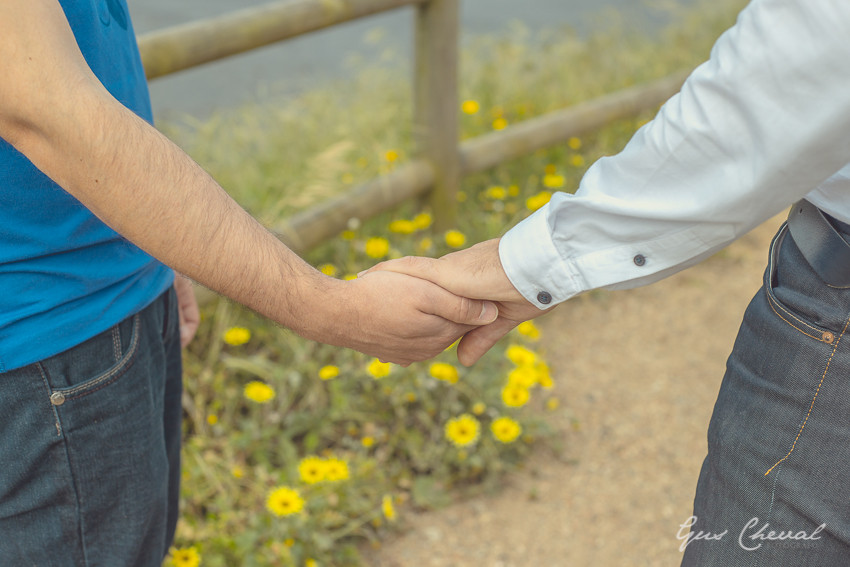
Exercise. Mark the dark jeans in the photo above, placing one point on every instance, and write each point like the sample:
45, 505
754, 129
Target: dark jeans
90, 448
775, 487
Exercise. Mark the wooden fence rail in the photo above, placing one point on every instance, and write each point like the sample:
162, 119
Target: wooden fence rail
441, 160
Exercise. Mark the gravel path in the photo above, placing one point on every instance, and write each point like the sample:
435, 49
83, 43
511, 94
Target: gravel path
637, 372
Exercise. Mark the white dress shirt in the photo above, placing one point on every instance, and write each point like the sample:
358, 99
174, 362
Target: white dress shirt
762, 124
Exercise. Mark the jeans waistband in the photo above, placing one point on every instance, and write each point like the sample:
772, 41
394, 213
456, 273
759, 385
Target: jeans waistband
823, 247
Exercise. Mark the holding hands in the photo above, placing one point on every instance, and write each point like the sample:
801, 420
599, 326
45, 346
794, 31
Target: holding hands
475, 273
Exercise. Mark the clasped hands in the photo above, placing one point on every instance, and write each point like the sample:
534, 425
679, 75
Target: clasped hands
470, 296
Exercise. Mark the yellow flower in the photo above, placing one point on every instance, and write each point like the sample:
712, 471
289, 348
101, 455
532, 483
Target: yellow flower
328, 372
455, 238
576, 160
500, 124
289, 542
349, 277
378, 369
553, 181
348, 235
391, 155
347, 178
312, 470
423, 220
212, 419
574, 143
460, 197
377, 247
552, 404
505, 430
336, 470
284, 501
515, 396
410, 397
387, 507
463, 431
311, 563
496, 192
521, 356
544, 377
444, 372
328, 269
513, 190
258, 392
186, 557
535, 202
236, 336
367, 441
523, 377
529, 329
237, 472
403, 226
478, 408
470, 107
425, 244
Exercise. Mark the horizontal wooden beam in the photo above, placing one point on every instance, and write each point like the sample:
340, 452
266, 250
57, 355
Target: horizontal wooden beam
181, 47
312, 227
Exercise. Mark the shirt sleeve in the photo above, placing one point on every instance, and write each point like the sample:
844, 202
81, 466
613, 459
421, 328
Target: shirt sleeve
761, 124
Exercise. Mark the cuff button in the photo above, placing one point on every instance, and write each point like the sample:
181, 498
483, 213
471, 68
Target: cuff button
640, 260
544, 297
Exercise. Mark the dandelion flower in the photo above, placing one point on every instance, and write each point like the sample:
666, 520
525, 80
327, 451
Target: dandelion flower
552, 404
544, 377
470, 107
328, 270
536, 201
574, 143
515, 396
237, 472
500, 124
259, 392
478, 408
445, 372
378, 369
402, 226
423, 220
236, 336
336, 470
577, 160
387, 507
463, 431
496, 192
347, 235
284, 501
328, 372
289, 542
455, 238
311, 563
312, 470
377, 247
367, 441
529, 329
521, 356
212, 419
186, 557
553, 181
391, 155
523, 377
505, 430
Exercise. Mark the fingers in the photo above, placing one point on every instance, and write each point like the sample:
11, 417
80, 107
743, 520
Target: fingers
477, 342
460, 310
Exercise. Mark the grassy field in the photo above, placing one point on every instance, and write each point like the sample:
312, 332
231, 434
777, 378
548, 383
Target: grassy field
297, 453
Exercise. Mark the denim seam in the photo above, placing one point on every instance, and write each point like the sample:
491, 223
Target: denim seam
44, 379
110, 376
814, 399
116, 343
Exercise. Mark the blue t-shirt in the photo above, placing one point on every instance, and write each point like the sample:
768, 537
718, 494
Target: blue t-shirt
64, 275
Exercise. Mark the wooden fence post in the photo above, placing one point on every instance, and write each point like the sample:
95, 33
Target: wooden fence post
436, 103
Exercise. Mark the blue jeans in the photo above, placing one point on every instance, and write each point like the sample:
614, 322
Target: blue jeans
774, 489
90, 448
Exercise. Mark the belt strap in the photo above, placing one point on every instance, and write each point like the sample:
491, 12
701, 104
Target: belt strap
822, 246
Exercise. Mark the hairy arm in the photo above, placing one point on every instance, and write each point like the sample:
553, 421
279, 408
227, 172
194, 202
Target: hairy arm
57, 113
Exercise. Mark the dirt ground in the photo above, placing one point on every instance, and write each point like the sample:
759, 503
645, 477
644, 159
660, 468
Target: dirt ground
637, 372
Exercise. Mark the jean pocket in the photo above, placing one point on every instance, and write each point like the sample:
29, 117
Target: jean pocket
94, 364
790, 291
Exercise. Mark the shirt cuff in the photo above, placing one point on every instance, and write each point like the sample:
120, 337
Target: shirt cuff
533, 265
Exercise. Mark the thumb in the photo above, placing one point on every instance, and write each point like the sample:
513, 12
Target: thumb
477, 342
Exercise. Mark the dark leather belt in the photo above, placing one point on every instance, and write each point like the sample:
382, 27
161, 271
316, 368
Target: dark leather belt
822, 246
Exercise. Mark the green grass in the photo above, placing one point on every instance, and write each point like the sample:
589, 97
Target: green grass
276, 159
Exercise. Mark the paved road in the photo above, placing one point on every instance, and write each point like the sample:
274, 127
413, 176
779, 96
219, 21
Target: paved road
307, 61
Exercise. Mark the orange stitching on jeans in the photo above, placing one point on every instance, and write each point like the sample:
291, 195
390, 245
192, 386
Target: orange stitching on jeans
812, 405
772, 302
